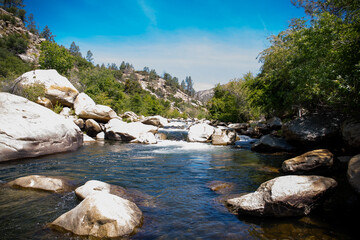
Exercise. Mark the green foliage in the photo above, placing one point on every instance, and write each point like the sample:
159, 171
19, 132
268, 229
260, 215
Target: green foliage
33, 91
14, 43
230, 104
312, 65
56, 57
58, 107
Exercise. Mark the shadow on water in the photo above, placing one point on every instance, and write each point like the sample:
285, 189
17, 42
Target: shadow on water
172, 177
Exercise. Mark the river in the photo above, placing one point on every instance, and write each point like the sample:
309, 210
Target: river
176, 175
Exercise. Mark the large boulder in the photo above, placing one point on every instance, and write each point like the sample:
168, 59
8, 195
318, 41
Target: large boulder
284, 196
201, 132
351, 133
223, 136
157, 121
86, 108
44, 183
57, 87
320, 159
313, 131
353, 172
95, 186
274, 123
28, 129
130, 132
271, 144
101, 215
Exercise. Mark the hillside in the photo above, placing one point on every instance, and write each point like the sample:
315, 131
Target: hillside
120, 87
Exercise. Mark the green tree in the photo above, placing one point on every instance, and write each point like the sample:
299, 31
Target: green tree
47, 34
89, 56
31, 25
75, 50
56, 57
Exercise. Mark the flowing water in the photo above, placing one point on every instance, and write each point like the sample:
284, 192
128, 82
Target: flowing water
176, 174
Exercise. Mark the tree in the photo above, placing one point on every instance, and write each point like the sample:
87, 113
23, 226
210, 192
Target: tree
12, 3
74, 50
47, 34
31, 25
53, 56
189, 86
89, 56
146, 69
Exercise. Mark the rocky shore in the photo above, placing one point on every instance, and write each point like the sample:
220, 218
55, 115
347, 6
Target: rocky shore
318, 143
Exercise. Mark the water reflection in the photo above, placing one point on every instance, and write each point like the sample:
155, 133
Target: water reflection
170, 178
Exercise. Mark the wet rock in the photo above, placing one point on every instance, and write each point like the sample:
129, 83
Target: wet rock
130, 132
201, 132
161, 136
101, 215
221, 187
271, 144
320, 159
284, 196
86, 108
353, 173
351, 133
57, 88
92, 128
157, 121
88, 139
28, 129
37, 182
313, 131
223, 136
100, 136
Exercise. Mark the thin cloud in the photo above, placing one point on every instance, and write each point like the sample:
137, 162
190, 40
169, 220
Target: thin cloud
148, 11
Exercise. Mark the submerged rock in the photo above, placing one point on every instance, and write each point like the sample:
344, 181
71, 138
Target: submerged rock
37, 182
86, 108
220, 187
272, 144
101, 215
284, 196
57, 88
353, 173
223, 136
201, 132
320, 159
28, 129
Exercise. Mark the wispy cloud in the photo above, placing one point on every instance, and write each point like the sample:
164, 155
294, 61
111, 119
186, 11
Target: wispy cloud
148, 11
206, 58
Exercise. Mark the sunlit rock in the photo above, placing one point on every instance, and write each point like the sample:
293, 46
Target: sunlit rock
284, 196
101, 215
86, 108
52, 184
28, 129
201, 132
92, 128
320, 159
57, 87
223, 136
157, 121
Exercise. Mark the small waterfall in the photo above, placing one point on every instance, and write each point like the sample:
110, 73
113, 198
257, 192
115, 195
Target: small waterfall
173, 134
245, 141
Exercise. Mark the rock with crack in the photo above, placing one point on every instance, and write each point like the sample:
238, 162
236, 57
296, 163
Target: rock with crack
28, 129
284, 196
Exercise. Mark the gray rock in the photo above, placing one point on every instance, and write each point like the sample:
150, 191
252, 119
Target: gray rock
320, 159
101, 215
51, 184
284, 196
271, 144
313, 130
353, 173
350, 130
223, 136
28, 129
274, 123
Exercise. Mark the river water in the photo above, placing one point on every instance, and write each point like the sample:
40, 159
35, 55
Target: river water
175, 176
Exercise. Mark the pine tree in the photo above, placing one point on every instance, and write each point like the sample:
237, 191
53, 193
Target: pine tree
89, 56
31, 26
75, 50
47, 34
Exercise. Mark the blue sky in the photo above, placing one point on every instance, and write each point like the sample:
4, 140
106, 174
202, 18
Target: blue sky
213, 41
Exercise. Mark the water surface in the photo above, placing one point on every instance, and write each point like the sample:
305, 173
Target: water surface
176, 175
